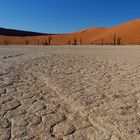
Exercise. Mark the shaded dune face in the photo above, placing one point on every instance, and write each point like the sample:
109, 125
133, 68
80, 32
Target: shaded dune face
127, 33
14, 32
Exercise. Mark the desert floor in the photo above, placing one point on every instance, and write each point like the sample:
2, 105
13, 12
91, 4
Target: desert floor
70, 93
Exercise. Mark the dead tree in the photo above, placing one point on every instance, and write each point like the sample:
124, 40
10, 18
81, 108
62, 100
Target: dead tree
69, 42
80, 41
45, 42
75, 42
6, 42
119, 41
38, 43
49, 39
27, 42
102, 42
95, 42
114, 38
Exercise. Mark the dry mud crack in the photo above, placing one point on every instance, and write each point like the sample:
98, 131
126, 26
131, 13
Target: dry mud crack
57, 93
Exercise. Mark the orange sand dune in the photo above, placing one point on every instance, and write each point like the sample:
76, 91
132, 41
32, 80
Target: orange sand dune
128, 33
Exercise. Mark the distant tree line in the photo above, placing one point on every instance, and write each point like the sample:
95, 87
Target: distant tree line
75, 42
115, 40
47, 41
44, 42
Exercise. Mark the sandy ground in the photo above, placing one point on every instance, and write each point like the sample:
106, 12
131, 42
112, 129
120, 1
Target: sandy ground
70, 93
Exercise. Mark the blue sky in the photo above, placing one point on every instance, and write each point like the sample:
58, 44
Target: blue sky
63, 16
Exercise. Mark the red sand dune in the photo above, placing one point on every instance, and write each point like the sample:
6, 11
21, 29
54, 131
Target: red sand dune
128, 33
